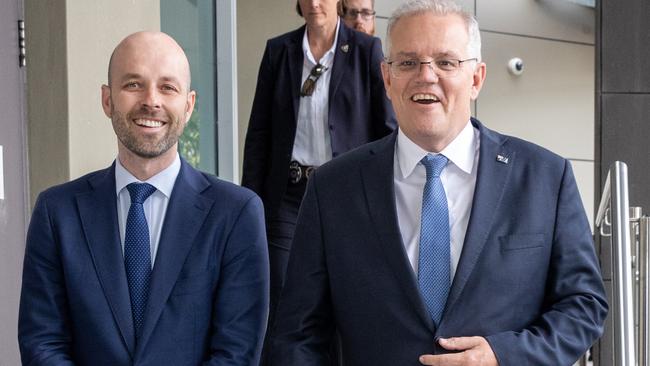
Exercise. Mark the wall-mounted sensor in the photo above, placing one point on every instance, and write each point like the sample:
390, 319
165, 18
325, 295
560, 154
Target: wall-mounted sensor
516, 66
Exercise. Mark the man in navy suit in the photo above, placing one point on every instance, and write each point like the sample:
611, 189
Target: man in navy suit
147, 262
445, 243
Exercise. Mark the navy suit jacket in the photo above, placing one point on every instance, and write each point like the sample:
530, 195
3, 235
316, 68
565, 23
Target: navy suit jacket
208, 300
359, 111
528, 279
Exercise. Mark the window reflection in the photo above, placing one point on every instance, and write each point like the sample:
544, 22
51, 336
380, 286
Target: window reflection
192, 24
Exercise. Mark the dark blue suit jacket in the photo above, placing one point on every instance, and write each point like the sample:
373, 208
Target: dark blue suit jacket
528, 278
359, 111
209, 287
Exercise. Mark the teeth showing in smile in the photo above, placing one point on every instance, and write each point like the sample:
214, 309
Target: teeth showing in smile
148, 123
425, 98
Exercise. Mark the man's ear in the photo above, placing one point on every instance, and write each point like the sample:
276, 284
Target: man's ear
477, 79
385, 74
189, 105
106, 101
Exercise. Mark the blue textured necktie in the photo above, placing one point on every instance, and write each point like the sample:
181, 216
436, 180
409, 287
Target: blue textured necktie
434, 261
137, 255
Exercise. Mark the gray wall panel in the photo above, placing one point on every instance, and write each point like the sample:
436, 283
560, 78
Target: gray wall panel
622, 110
562, 20
625, 131
625, 36
551, 103
13, 178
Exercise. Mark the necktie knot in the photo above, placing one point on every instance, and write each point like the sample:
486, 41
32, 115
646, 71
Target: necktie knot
434, 164
139, 192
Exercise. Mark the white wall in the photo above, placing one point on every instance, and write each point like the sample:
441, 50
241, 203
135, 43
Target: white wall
257, 21
94, 28
70, 45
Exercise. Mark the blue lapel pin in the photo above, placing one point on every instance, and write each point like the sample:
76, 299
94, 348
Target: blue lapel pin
502, 159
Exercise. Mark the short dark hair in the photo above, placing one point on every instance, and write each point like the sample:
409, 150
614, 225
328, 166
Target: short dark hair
343, 6
298, 10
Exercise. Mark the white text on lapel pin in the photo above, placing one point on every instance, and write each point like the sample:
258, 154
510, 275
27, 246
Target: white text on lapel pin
345, 48
502, 159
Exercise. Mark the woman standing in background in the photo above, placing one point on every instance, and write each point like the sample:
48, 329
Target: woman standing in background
319, 94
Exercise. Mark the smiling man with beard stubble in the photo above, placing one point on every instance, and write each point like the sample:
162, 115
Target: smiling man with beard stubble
147, 262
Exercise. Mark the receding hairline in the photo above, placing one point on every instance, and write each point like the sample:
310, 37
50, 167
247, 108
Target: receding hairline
412, 8
131, 37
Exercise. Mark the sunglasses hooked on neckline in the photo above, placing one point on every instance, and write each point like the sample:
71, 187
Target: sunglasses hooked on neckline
310, 83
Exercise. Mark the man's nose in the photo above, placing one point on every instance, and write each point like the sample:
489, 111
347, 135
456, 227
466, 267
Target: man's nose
428, 72
151, 98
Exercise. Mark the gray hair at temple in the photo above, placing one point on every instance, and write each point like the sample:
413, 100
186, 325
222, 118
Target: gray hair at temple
438, 7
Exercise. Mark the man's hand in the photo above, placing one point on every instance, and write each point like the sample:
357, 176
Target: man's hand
475, 351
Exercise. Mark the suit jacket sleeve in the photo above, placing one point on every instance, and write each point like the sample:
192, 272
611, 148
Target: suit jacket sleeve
44, 336
257, 146
574, 306
383, 117
241, 304
303, 328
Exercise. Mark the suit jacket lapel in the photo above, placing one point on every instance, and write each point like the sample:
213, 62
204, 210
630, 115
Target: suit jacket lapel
295, 59
98, 213
341, 56
491, 181
379, 187
186, 212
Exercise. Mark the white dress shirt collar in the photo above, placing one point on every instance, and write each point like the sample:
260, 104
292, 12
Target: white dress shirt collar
163, 181
461, 151
328, 58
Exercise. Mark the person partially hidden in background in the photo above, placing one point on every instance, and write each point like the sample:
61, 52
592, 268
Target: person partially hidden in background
147, 262
445, 243
358, 14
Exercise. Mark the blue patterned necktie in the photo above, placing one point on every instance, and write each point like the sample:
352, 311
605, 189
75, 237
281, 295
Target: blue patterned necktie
137, 255
434, 261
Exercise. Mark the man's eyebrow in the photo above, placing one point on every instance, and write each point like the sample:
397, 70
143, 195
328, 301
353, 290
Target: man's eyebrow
437, 55
136, 76
130, 76
171, 79
447, 54
407, 54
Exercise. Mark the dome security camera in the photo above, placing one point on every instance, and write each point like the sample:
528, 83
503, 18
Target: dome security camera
516, 66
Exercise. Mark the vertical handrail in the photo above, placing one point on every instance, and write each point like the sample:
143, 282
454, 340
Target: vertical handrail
644, 296
615, 195
637, 245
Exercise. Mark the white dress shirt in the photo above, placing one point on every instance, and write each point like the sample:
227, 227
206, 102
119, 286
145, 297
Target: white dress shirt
458, 178
154, 207
312, 145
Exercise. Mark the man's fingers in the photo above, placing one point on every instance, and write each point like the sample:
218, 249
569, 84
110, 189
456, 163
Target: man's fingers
474, 351
460, 343
456, 359
431, 360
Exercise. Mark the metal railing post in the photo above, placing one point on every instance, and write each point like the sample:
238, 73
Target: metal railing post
635, 214
643, 261
615, 195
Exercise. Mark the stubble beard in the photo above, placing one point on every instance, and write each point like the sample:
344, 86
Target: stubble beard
147, 147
